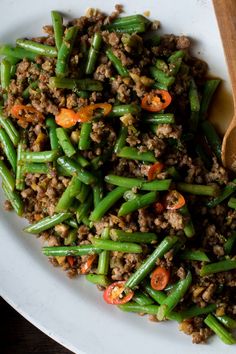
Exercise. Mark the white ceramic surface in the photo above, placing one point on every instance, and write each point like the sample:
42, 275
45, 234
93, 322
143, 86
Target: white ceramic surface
72, 311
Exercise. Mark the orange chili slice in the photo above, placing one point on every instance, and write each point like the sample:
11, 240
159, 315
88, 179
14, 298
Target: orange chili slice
85, 114
66, 118
174, 200
26, 114
117, 294
156, 100
88, 264
160, 278
154, 170
71, 260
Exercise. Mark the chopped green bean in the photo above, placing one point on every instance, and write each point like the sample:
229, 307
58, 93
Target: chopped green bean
219, 330
5, 74
208, 92
197, 189
47, 223
225, 193
98, 279
104, 257
139, 237
121, 140
37, 48
227, 321
97, 193
8, 148
83, 193
70, 250
83, 209
221, 266
148, 265
193, 97
82, 161
74, 169
51, 124
121, 110
189, 229
122, 71
232, 203
17, 52
127, 182
75, 84
10, 129
229, 244
93, 53
174, 297
106, 203
161, 77
160, 118
139, 202
195, 311
85, 140
194, 255
7, 178
15, 199
65, 51
20, 182
212, 138
142, 299
133, 307
133, 154
65, 142
41, 156
57, 22
71, 238
109, 245
68, 195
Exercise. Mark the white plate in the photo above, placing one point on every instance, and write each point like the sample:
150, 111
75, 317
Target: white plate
72, 311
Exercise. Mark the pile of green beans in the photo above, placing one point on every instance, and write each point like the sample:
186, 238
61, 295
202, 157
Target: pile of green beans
111, 211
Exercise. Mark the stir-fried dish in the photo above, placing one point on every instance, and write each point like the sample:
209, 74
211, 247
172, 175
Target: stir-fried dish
107, 151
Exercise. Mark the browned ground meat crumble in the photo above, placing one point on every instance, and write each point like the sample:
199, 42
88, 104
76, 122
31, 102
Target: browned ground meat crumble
169, 144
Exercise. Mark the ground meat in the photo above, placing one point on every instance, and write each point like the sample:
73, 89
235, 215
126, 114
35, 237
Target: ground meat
182, 42
174, 219
168, 131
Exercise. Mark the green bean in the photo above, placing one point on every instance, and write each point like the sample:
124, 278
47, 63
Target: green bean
16, 52
61, 171
10, 58
10, 129
47, 223
193, 97
225, 193
227, 321
93, 53
7, 178
219, 330
51, 125
57, 22
121, 140
174, 297
39, 168
106, 203
65, 51
160, 118
150, 262
72, 223
133, 307
71, 238
65, 142
109, 245
97, 193
232, 203
98, 279
63, 251
74, 169
127, 182
174, 173
122, 71
229, 244
82, 94
221, 266
39, 156
139, 202
83, 193
194, 255
82, 161
193, 121
138, 237
162, 65
197, 189
175, 61
68, 195
75, 84
212, 138
133, 154
84, 209
161, 77
8, 148
26, 92
208, 92
37, 48
142, 299
195, 311
121, 110
104, 257
15, 199
189, 229
5, 74
129, 24
20, 182
158, 86
85, 140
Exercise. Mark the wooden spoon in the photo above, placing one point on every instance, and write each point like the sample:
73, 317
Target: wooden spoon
225, 11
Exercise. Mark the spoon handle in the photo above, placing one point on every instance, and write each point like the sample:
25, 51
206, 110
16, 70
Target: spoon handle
225, 11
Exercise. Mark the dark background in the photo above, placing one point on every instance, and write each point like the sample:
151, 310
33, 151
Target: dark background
18, 336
